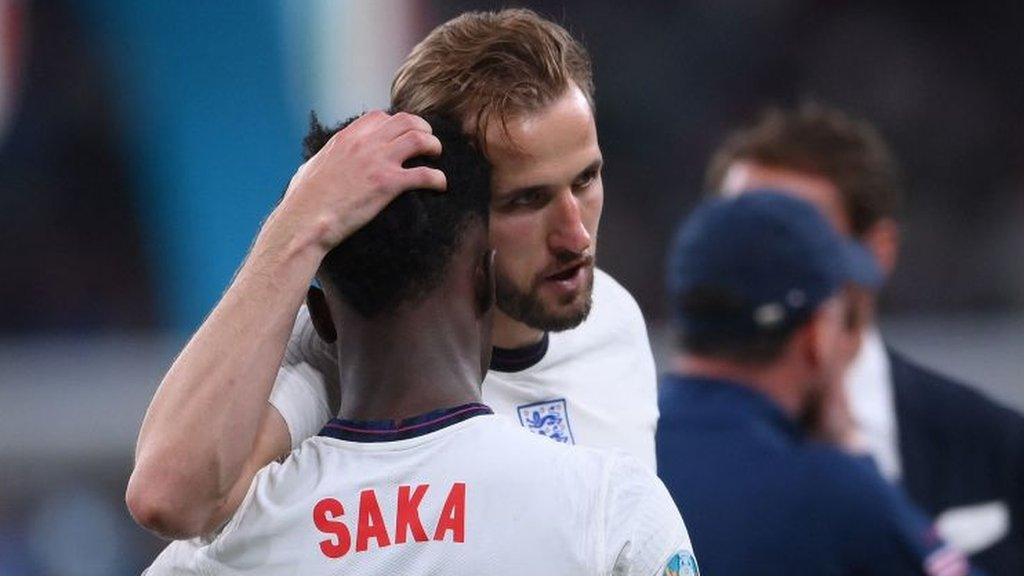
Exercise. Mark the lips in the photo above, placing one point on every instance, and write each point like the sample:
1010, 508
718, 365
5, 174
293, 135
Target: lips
568, 271
566, 274
568, 280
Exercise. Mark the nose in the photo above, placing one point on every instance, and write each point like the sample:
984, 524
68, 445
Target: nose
567, 230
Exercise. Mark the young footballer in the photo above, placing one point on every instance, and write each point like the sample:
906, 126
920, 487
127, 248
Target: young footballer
416, 475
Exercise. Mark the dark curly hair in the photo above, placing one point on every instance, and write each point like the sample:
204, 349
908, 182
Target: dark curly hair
402, 254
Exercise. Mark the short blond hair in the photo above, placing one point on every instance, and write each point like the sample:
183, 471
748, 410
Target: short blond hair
486, 66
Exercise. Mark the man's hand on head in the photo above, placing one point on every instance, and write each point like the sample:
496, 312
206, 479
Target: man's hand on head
354, 176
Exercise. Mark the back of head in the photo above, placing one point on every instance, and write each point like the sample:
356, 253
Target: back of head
403, 253
482, 67
747, 272
824, 142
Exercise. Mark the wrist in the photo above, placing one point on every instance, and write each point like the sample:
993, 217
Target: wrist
287, 250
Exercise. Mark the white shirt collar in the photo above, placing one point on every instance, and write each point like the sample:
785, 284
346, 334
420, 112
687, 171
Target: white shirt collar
869, 390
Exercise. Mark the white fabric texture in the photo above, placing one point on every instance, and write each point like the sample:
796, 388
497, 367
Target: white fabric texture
531, 506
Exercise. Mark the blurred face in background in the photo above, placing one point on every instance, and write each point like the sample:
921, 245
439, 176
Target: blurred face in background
545, 209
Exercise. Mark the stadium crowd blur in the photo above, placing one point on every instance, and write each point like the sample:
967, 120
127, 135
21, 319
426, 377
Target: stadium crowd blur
140, 146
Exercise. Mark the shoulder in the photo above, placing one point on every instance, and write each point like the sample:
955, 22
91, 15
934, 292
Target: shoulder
613, 299
615, 318
585, 468
931, 398
871, 517
630, 483
850, 488
615, 325
644, 530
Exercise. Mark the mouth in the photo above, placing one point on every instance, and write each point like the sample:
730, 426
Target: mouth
566, 273
569, 279
570, 270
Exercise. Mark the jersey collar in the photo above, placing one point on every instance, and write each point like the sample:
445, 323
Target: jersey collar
518, 359
391, 430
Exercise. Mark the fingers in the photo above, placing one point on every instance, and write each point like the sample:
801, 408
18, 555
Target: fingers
402, 122
366, 123
423, 177
411, 144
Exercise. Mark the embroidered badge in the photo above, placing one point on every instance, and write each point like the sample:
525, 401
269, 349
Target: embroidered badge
550, 418
681, 563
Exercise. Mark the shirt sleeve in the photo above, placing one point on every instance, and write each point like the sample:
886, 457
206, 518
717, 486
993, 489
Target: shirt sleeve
904, 538
644, 532
306, 389
180, 558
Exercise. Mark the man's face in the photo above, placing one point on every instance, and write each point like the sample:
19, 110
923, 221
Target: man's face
547, 199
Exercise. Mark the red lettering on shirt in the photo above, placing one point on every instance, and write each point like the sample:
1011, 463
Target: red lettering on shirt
408, 515
453, 515
371, 522
328, 513
324, 517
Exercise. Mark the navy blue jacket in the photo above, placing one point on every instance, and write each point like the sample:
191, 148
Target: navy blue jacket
759, 498
960, 449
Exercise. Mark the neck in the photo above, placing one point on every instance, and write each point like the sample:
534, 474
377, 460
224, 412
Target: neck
511, 334
416, 362
773, 380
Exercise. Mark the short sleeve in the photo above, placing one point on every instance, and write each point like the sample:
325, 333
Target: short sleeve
179, 558
305, 391
644, 532
891, 535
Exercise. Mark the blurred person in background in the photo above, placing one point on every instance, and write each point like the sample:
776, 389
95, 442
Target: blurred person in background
958, 455
571, 358
759, 287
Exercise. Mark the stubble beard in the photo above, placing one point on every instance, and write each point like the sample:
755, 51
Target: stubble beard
529, 308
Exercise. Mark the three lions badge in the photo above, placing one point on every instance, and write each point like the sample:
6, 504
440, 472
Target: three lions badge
549, 418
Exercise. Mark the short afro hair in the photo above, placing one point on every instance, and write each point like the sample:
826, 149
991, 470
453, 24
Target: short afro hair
402, 254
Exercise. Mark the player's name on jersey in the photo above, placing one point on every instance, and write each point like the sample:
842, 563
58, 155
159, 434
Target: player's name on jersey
329, 516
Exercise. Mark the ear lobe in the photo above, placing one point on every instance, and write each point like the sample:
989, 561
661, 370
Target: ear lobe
484, 283
320, 314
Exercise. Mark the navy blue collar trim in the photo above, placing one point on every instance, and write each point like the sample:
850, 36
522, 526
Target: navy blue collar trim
389, 430
518, 359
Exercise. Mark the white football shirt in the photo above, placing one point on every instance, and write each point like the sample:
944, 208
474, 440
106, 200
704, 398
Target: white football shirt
467, 493
595, 386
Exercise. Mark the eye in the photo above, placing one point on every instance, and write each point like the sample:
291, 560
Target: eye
585, 179
527, 198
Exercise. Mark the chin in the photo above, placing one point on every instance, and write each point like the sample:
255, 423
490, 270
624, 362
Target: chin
543, 310
567, 317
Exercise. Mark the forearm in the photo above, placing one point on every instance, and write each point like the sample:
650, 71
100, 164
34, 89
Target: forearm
202, 423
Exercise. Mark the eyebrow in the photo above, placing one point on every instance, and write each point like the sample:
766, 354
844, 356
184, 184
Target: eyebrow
594, 166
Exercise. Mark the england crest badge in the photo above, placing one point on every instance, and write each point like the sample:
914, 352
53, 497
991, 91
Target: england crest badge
549, 418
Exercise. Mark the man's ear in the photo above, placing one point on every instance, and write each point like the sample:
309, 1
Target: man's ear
483, 282
320, 314
883, 240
